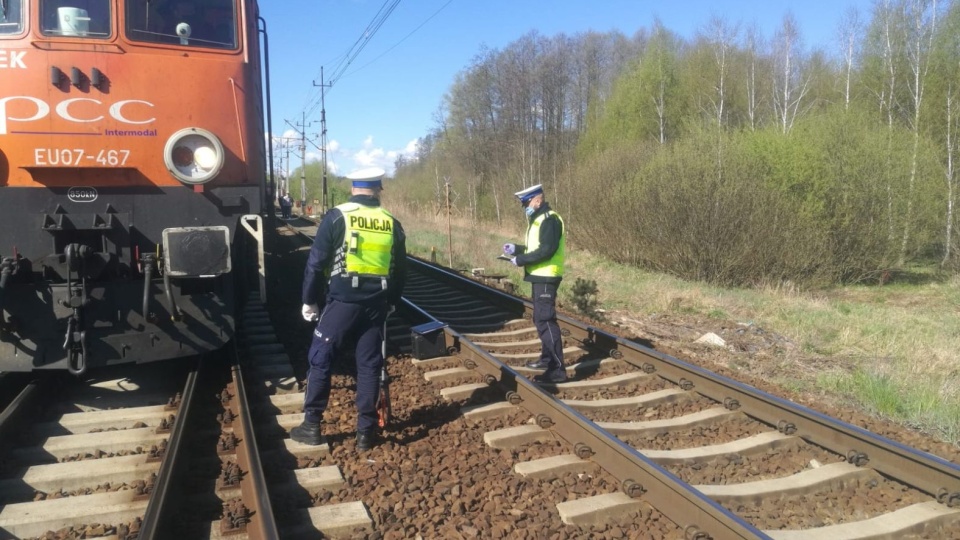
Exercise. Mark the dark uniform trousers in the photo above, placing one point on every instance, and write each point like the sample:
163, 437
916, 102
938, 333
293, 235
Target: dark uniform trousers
337, 322
545, 319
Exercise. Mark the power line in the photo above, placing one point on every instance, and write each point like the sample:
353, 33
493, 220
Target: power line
375, 24
385, 10
412, 32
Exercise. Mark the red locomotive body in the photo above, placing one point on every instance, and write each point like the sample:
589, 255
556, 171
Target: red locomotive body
131, 147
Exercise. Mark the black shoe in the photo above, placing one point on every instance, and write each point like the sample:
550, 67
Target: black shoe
366, 440
552, 377
307, 434
542, 363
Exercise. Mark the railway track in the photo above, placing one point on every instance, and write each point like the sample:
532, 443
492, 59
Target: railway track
637, 444
191, 449
152, 452
158, 450
717, 458
134, 454
88, 454
690, 442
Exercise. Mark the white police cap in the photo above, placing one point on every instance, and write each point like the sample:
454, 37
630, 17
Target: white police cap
367, 178
529, 193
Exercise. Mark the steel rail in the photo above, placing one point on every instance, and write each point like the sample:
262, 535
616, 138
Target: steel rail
638, 475
253, 484
926, 472
162, 507
929, 473
12, 416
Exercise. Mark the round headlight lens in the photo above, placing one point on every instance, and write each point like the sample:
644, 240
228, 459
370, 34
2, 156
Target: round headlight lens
193, 156
205, 157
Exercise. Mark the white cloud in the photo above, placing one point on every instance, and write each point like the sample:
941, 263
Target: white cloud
411, 148
340, 159
372, 155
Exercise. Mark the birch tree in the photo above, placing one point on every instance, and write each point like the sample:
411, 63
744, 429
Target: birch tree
849, 34
923, 16
721, 36
752, 46
950, 177
791, 84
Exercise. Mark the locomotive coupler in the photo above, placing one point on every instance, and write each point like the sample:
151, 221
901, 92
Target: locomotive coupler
76, 346
76, 291
76, 339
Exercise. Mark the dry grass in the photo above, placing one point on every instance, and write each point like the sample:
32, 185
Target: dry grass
893, 349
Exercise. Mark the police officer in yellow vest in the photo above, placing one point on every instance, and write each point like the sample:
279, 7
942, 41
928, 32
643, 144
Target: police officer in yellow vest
542, 261
356, 270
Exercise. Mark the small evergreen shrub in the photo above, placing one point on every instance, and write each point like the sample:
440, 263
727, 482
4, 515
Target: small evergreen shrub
585, 298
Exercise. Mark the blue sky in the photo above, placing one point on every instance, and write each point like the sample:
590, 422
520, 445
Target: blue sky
389, 95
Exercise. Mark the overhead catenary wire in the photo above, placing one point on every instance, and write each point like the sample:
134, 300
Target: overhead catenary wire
375, 24
316, 97
364, 39
412, 32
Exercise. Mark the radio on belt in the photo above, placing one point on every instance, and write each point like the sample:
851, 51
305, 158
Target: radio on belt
429, 340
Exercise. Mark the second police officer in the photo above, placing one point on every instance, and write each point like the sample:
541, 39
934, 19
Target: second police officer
362, 248
542, 260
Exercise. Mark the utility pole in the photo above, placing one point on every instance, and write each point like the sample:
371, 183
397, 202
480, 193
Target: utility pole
286, 169
323, 137
301, 129
303, 162
283, 155
449, 234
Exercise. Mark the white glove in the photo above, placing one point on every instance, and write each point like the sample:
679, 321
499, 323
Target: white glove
310, 312
513, 261
509, 249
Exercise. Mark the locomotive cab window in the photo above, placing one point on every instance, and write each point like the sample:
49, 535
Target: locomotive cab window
75, 18
191, 23
11, 17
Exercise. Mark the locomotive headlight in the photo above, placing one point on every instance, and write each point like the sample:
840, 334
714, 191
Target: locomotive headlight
193, 155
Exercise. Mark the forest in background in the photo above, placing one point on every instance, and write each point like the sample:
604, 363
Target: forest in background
733, 157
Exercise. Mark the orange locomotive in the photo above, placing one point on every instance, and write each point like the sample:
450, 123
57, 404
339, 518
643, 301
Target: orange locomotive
131, 148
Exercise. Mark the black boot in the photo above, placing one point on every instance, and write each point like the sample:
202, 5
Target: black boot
307, 433
541, 363
366, 440
552, 376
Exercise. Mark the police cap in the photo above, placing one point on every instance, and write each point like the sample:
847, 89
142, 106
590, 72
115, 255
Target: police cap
367, 178
526, 194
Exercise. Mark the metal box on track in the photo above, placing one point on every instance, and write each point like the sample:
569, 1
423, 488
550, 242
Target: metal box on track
429, 340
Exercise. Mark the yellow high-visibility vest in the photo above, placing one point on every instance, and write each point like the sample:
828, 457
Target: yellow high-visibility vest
367, 240
552, 267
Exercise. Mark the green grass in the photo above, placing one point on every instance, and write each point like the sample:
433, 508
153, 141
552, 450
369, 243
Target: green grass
920, 404
896, 347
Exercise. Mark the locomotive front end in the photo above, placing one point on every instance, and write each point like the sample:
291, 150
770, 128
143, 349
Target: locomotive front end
130, 147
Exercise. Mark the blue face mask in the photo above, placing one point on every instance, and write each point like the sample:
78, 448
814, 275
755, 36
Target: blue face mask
529, 211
